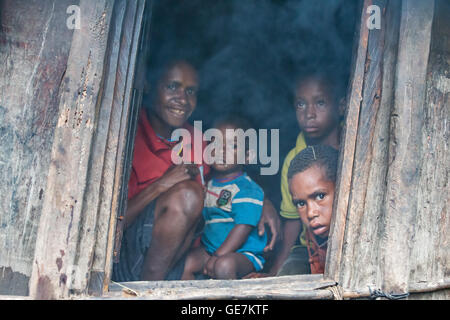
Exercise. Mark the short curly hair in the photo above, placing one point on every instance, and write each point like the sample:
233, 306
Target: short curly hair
326, 76
323, 156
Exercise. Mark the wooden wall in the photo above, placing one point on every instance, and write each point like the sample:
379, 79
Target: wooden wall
67, 100
85, 178
391, 225
34, 48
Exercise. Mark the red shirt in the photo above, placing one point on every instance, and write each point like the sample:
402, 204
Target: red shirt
317, 253
152, 155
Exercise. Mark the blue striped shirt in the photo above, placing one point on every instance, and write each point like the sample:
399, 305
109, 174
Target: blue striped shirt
227, 204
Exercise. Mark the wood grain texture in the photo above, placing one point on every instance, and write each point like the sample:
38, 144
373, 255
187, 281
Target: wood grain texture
347, 150
405, 146
120, 103
396, 221
430, 247
34, 48
103, 164
284, 287
360, 265
62, 262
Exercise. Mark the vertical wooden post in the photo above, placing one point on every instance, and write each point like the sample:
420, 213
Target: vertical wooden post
90, 150
390, 224
431, 243
347, 150
119, 111
34, 48
62, 261
405, 147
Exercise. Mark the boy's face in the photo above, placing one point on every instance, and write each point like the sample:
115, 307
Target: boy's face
313, 194
317, 110
229, 145
176, 95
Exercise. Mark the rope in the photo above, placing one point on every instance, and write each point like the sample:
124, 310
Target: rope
337, 291
377, 293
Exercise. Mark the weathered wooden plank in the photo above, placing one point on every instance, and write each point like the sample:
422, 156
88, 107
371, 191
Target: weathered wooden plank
290, 287
102, 165
12, 297
117, 102
285, 287
405, 146
60, 266
13, 282
426, 290
430, 246
34, 48
315, 280
128, 121
347, 150
361, 257
364, 152
222, 294
108, 135
396, 224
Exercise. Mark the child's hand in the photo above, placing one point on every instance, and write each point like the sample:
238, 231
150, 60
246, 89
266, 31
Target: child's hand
209, 267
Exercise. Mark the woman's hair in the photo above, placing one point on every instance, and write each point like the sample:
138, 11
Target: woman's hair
322, 156
157, 69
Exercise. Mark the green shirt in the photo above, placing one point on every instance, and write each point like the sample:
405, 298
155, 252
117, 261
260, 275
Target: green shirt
287, 208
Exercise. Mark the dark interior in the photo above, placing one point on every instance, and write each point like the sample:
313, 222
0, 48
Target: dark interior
247, 52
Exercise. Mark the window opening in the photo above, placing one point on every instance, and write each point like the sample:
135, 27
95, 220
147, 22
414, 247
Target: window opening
248, 56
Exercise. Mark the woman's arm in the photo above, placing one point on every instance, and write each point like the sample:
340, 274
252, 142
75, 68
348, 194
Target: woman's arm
169, 179
271, 218
140, 201
291, 231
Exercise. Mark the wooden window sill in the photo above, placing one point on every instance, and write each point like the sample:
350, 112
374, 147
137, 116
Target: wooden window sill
283, 287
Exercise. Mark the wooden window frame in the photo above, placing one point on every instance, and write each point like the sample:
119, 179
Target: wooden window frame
90, 218
300, 286
78, 222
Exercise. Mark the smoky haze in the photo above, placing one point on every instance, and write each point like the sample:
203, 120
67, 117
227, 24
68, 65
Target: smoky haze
248, 51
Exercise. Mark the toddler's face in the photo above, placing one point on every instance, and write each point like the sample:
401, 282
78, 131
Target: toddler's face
317, 111
230, 146
313, 194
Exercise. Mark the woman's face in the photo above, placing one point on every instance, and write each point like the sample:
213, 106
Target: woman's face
176, 97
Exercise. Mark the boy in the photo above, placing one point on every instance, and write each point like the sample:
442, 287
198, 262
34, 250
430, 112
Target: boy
319, 109
230, 246
312, 178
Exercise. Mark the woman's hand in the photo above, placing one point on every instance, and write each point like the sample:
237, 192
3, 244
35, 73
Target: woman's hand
209, 267
270, 217
177, 174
